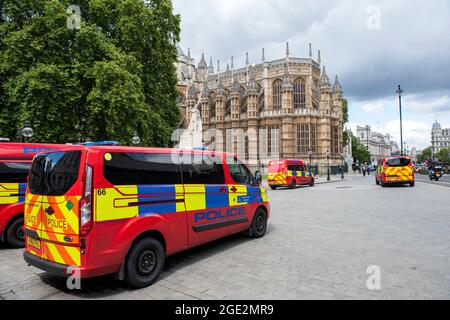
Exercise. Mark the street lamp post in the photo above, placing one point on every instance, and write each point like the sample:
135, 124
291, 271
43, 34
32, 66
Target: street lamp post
27, 131
399, 92
310, 160
136, 140
328, 166
367, 137
342, 167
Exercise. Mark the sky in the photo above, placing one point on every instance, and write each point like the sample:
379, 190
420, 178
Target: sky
373, 46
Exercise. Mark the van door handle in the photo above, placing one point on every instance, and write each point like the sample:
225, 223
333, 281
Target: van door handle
223, 189
234, 189
49, 210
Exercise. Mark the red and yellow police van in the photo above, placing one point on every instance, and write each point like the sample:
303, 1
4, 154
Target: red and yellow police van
15, 163
395, 170
122, 210
288, 173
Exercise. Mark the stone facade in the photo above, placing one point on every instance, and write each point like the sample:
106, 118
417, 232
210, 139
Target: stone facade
440, 138
380, 145
285, 108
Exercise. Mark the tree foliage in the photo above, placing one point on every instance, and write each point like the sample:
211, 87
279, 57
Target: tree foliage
113, 76
443, 155
345, 134
360, 152
426, 154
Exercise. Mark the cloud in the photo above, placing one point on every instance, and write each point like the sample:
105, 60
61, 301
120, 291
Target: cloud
407, 45
410, 47
415, 133
427, 104
373, 107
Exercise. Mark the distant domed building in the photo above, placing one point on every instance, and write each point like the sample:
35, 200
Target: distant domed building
286, 108
440, 138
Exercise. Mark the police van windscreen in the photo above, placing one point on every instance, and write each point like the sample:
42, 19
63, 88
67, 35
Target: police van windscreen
14, 172
398, 162
53, 174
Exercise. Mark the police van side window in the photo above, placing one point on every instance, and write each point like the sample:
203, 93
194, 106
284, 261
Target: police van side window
13, 172
239, 171
295, 167
202, 169
142, 168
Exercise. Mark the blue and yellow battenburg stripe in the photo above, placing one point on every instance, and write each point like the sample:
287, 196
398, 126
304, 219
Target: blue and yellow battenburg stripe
11, 193
298, 173
123, 202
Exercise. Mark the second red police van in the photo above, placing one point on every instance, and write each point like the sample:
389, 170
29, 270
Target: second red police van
15, 163
122, 210
288, 173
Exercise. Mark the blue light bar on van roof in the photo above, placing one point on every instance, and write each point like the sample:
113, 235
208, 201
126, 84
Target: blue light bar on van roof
201, 148
100, 143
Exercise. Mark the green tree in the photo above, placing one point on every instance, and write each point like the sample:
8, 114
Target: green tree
345, 134
360, 152
426, 154
112, 77
443, 155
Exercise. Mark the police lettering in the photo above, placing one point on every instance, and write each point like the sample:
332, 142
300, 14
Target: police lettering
57, 223
28, 150
31, 219
219, 214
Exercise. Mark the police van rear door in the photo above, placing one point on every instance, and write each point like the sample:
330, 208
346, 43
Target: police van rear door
56, 181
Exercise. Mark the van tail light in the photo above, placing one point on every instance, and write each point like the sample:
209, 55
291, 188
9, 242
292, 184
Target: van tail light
86, 204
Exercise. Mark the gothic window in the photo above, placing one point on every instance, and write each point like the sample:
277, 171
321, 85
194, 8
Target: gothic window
335, 139
244, 105
299, 93
276, 93
273, 140
315, 93
228, 140
228, 108
242, 91
261, 103
306, 138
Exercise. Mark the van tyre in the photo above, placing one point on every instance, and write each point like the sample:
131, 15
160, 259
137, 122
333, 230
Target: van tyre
411, 184
144, 263
273, 187
293, 184
311, 184
259, 224
14, 233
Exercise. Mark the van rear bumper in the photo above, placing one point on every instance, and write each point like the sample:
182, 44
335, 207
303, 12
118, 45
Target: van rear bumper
61, 269
398, 182
49, 266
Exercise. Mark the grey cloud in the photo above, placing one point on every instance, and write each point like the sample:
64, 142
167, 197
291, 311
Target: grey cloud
412, 46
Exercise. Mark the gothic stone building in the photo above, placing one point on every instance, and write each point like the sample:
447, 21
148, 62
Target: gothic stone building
279, 109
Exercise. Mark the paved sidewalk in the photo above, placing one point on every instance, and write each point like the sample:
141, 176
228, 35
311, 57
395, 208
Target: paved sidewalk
321, 243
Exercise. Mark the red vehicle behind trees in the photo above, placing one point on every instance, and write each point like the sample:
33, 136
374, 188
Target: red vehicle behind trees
15, 163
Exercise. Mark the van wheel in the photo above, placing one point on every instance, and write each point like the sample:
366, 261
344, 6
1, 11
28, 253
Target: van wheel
144, 263
411, 184
293, 184
311, 184
273, 187
259, 224
15, 235
377, 181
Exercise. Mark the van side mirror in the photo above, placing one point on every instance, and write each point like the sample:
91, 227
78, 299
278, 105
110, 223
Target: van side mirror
258, 177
